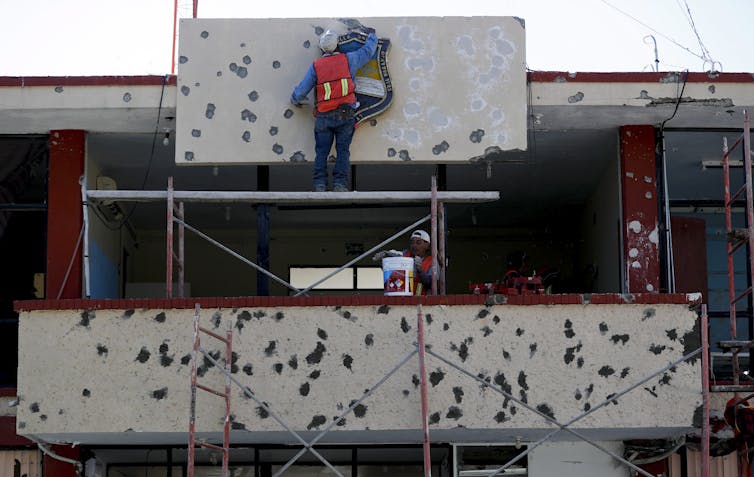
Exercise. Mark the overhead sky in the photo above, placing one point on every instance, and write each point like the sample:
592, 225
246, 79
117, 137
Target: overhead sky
134, 37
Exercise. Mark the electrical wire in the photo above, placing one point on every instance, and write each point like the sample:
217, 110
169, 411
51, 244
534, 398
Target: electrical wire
705, 52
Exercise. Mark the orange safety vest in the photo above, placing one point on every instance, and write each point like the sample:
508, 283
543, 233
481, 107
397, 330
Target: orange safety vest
334, 83
426, 266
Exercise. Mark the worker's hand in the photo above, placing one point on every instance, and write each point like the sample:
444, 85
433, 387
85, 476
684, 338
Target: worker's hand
379, 256
418, 263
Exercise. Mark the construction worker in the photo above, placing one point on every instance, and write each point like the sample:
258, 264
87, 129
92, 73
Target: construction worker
333, 75
419, 250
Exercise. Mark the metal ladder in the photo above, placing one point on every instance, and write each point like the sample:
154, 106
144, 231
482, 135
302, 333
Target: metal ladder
193, 443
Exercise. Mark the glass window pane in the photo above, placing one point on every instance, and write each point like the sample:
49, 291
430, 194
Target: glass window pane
303, 277
369, 278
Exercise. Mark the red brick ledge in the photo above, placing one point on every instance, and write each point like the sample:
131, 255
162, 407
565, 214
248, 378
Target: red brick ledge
354, 300
635, 77
16, 81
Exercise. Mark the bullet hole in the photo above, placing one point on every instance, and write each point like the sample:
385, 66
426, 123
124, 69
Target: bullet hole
482, 314
278, 367
307, 44
383, 310
317, 421
273, 131
217, 319
522, 396
127, 97
458, 394
248, 369
288, 114
373, 122
546, 410
143, 355
406, 392
209, 112
304, 389
569, 333
440, 148
58, 89
569, 355
219, 74
238, 426
415, 381
603, 328
454, 413
403, 155
622, 338
128, 314
43, 417
253, 96
164, 348
580, 362
434, 418
610, 397
86, 317
318, 30
257, 314
624, 372
519, 332
445, 327
341, 422
246, 136
391, 152
315, 374
270, 349
506, 355
652, 391
347, 361
316, 356
578, 395
476, 136
587, 407
672, 334
86, 393
500, 417
182, 60
101, 349
277, 149
359, 411
185, 90
347, 316
262, 412
369, 339
532, 350
666, 378
522, 380
242, 72
435, 377
486, 331
276, 64
648, 313
160, 317
196, 132
404, 325
185, 359
656, 349
246, 60
247, 115
189, 156
606, 371
463, 350
293, 362
160, 393
34, 407
428, 317
204, 34
166, 360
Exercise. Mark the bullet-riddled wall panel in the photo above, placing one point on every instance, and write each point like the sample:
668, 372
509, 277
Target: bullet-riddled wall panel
458, 89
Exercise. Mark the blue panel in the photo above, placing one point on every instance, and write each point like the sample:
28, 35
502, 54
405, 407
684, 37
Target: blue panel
103, 273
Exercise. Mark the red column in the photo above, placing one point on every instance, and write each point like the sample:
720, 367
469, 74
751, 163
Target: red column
641, 250
55, 468
64, 214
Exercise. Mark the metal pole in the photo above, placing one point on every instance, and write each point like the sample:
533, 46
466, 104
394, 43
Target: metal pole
384, 242
192, 405
169, 243
705, 393
728, 244
226, 429
423, 388
750, 226
181, 254
441, 253
434, 234
82, 181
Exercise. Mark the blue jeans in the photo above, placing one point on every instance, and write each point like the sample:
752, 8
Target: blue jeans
329, 127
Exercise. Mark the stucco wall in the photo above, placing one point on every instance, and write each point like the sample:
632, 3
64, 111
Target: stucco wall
459, 87
117, 371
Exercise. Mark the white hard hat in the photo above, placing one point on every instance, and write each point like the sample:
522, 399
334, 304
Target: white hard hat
328, 42
420, 234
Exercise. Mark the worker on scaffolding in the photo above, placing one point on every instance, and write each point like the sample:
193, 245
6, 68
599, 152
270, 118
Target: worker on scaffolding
419, 250
333, 75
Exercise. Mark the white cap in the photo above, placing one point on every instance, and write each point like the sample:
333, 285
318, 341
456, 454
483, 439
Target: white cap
328, 42
420, 234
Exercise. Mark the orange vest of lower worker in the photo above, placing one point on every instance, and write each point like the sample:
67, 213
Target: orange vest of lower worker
419, 288
334, 83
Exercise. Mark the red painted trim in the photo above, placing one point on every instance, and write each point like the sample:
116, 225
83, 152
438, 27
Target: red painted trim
634, 77
59, 468
64, 213
371, 300
87, 80
6, 392
8, 436
640, 217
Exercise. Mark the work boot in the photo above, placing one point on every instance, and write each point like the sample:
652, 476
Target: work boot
340, 188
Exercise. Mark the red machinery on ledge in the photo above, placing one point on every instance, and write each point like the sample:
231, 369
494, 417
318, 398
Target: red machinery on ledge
515, 281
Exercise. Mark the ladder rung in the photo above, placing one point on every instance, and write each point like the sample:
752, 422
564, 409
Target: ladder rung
731, 388
740, 344
210, 390
212, 446
742, 295
737, 246
214, 335
736, 195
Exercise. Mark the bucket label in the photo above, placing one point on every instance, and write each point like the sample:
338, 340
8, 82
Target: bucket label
398, 281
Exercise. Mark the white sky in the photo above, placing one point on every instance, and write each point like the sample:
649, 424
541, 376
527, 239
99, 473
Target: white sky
134, 37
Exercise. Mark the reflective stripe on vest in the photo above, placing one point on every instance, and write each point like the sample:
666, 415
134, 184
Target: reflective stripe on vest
334, 83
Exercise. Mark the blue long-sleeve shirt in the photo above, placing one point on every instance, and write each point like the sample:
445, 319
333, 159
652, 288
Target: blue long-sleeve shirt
356, 59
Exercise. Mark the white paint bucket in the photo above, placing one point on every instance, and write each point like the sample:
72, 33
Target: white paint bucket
398, 276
